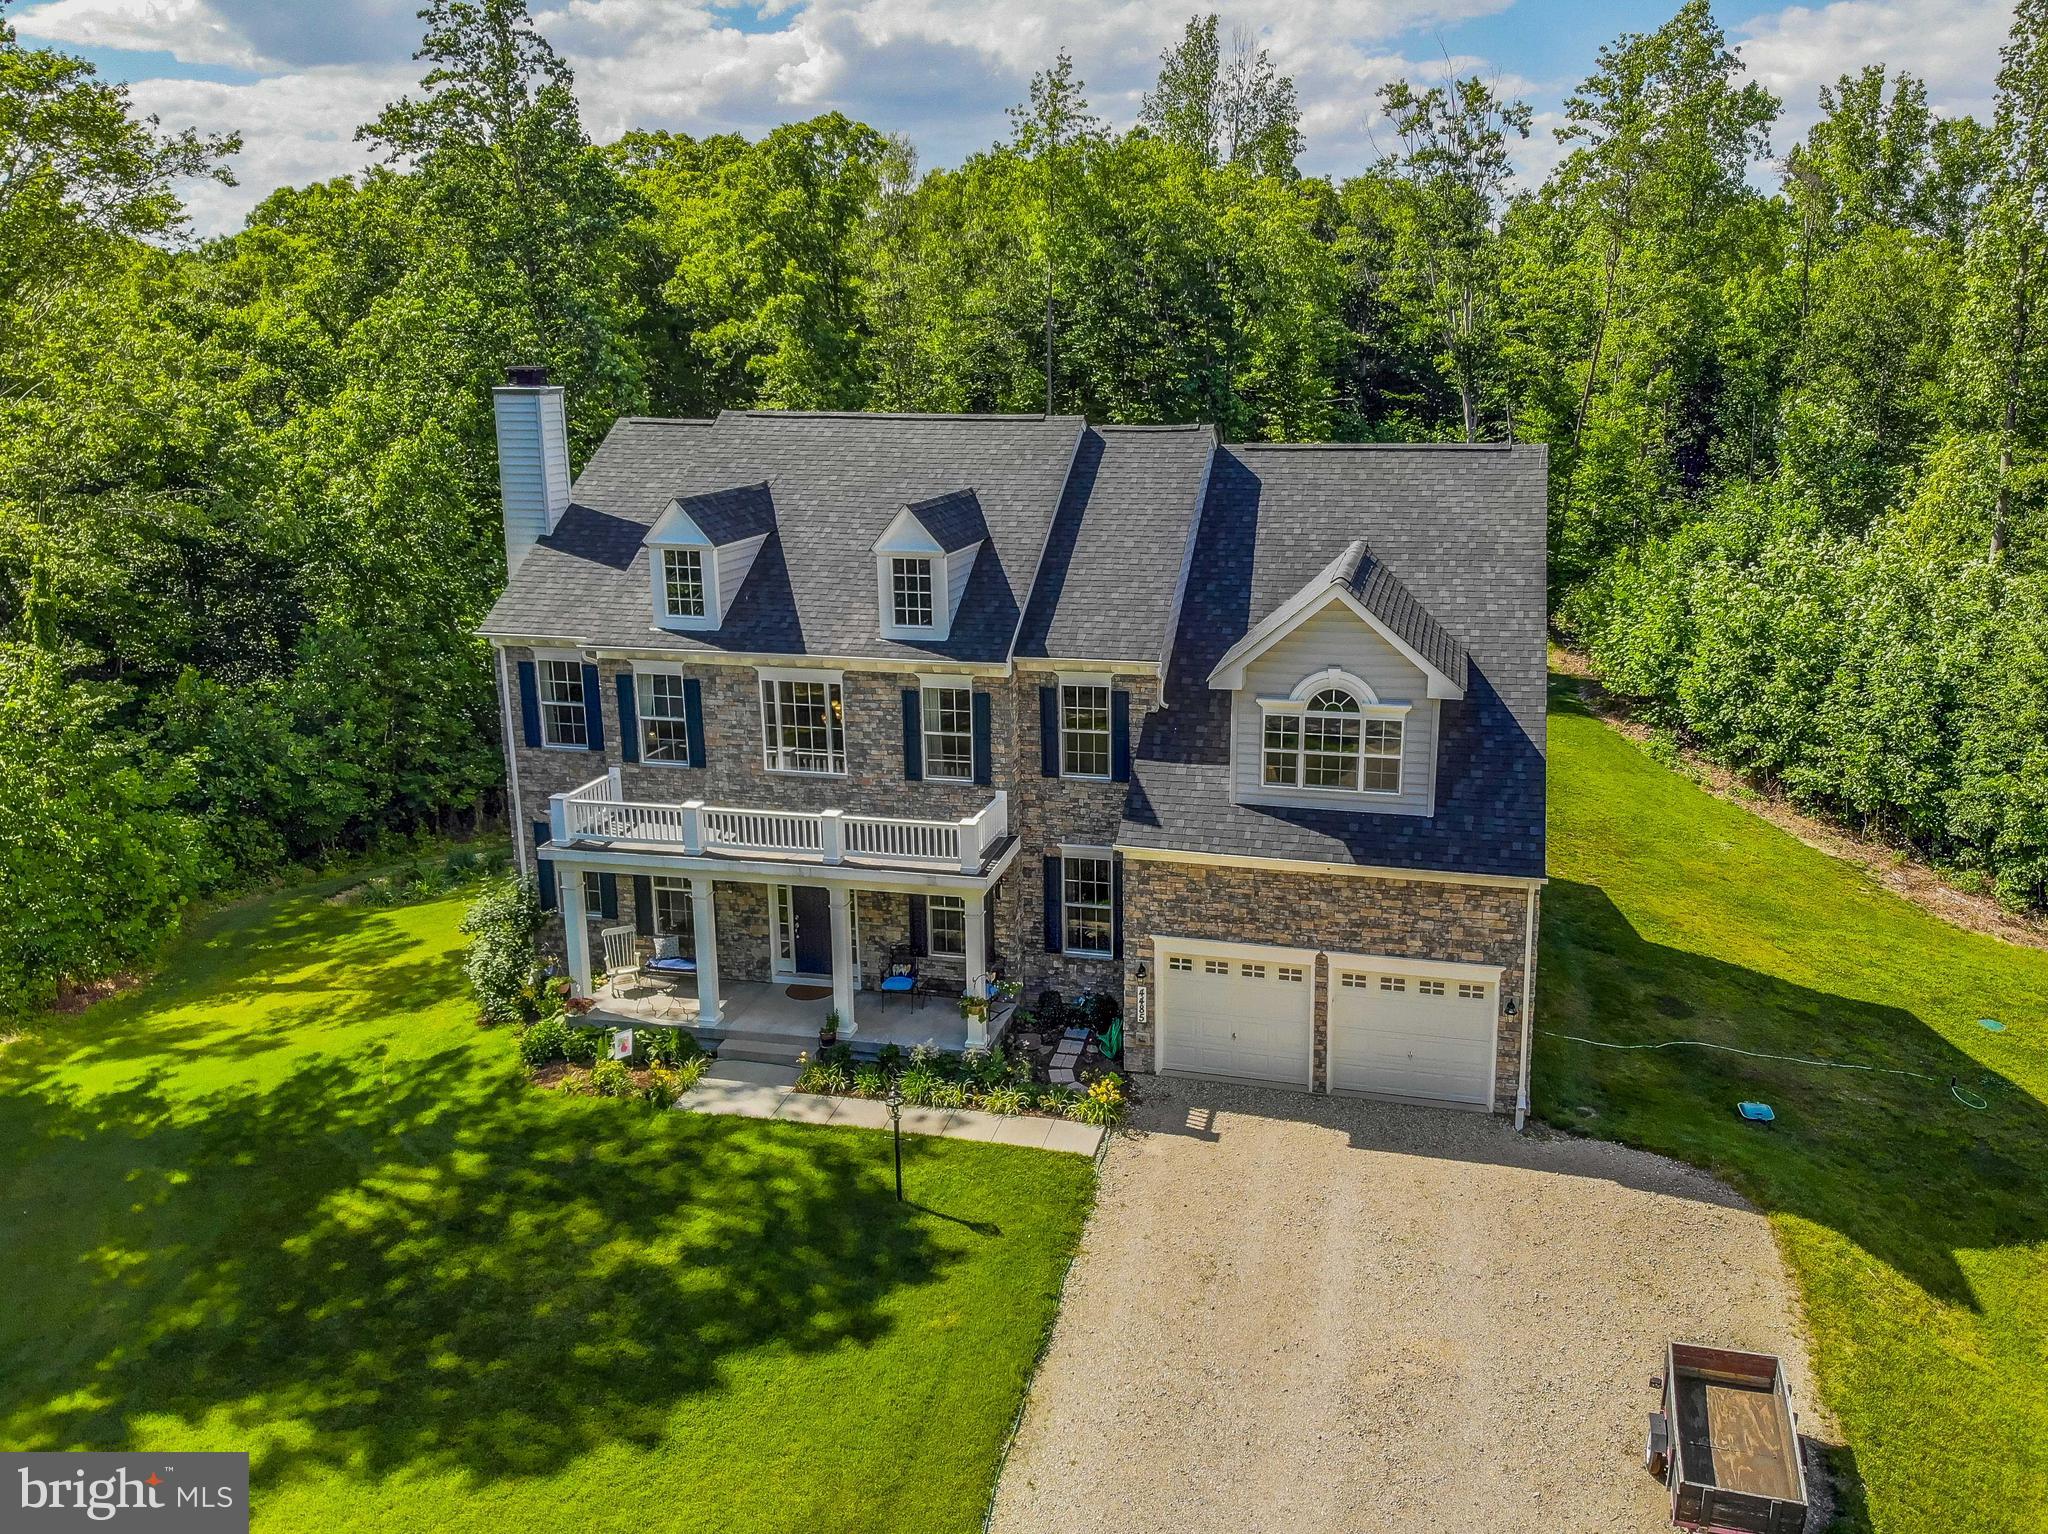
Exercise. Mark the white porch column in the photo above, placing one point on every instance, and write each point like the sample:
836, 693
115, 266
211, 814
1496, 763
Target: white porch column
845, 973
575, 926
977, 970
704, 918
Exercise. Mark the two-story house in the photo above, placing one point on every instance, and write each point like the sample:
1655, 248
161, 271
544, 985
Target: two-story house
1249, 736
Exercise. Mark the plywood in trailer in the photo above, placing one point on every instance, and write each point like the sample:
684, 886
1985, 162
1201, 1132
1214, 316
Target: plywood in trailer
1737, 1436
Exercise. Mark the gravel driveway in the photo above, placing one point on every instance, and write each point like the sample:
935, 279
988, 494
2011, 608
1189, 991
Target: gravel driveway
1295, 1313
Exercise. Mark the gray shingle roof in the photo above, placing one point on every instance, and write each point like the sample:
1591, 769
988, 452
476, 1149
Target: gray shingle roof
728, 516
1464, 526
954, 519
1112, 564
1367, 577
834, 483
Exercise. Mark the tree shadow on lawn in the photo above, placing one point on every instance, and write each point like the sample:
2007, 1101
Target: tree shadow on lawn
418, 1273
1896, 1164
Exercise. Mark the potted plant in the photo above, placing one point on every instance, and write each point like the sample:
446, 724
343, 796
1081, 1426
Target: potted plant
829, 1034
974, 1008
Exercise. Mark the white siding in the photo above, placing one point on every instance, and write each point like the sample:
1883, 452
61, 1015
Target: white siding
1335, 637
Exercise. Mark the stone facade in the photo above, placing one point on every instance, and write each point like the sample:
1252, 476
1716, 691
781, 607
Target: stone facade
1338, 913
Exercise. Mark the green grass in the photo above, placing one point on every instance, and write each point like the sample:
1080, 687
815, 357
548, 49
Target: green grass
1918, 1229
289, 1198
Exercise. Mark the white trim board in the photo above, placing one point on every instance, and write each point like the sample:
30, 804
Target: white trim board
1348, 870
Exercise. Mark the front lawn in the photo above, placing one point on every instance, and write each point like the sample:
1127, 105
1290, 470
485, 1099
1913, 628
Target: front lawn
289, 1198
1917, 1227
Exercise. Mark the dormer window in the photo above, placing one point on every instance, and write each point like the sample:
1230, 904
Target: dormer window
682, 582
923, 561
910, 592
1332, 735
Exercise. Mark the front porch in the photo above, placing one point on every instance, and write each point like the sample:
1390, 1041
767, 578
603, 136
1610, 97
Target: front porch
789, 1015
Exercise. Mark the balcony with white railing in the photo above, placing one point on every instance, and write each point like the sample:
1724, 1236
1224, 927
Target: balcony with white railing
599, 813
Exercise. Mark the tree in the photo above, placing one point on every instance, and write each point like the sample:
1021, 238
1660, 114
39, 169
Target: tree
2001, 364
79, 169
1237, 110
1452, 175
1053, 130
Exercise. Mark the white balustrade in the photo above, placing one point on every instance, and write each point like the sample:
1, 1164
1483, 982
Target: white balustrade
596, 812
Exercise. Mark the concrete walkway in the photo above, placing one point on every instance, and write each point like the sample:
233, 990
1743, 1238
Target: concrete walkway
749, 1090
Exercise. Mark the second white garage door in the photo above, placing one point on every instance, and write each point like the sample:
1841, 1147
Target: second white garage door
1247, 1016
1402, 1034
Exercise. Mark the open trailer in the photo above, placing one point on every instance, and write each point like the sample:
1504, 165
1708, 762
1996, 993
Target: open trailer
1727, 1443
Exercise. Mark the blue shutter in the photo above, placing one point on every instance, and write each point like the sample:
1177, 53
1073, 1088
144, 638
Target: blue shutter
643, 905
1049, 732
984, 754
913, 735
920, 927
1116, 907
593, 707
693, 718
1053, 895
529, 702
544, 871
988, 931
1120, 736
608, 896
629, 720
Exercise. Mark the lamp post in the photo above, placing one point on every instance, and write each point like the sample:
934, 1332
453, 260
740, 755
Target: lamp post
895, 1101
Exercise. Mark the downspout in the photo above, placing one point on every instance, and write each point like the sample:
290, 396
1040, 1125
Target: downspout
1528, 1007
511, 760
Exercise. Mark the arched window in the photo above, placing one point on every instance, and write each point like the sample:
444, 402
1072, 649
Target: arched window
1330, 743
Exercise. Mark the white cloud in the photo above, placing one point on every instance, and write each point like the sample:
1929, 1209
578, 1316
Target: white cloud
1951, 44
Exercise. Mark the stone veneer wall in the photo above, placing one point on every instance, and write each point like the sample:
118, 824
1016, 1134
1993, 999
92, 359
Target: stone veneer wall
1048, 811
1043, 811
1344, 913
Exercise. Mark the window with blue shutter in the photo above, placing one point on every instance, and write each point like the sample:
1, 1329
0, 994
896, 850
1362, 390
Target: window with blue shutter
913, 735
529, 702
984, 750
593, 698
693, 718
629, 721
544, 871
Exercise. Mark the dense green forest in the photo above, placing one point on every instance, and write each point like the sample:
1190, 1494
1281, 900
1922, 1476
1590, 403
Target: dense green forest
1796, 396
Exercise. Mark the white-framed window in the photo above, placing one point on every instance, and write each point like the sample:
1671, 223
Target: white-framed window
664, 720
1084, 730
1332, 744
1429, 987
1088, 899
682, 582
1215, 967
910, 591
946, 926
593, 892
1352, 980
803, 725
1180, 961
1393, 983
564, 719
1288, 972
948, 714
785, 931
1468, 991
672, 914
1252, 971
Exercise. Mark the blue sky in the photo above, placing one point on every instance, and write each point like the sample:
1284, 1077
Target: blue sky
295, 79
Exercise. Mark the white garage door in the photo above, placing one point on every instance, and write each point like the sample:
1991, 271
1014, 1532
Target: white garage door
1411, 1035
1246, 1016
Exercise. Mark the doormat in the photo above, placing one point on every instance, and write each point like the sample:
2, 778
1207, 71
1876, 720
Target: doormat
808, 992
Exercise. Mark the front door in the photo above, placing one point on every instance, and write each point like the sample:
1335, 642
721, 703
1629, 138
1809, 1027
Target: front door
813, 944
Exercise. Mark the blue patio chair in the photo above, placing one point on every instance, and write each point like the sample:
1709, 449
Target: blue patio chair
899, 978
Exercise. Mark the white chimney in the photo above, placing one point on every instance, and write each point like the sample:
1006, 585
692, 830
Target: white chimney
533, 458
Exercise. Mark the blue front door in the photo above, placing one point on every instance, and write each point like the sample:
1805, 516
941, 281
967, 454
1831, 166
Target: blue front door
813, 912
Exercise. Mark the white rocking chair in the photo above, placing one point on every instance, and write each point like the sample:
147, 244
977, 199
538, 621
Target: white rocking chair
621, 956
